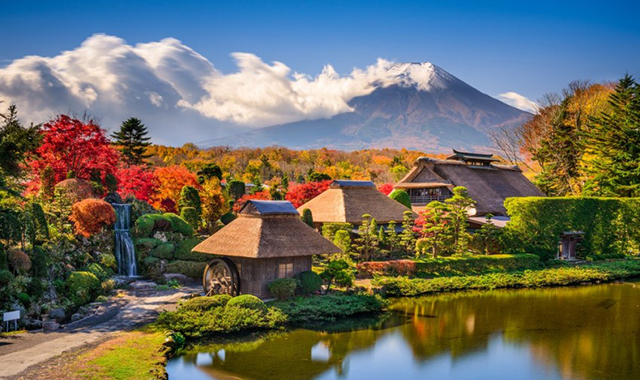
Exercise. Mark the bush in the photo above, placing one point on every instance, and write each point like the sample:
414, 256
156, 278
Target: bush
197, 324
98, 271
248, 301
18, 261
329, 229
401, 197
83, 287
205, 303
307, 217
369, 269
24, 299
163, 251
190, 215
328, 308
91, 216
183, 251
108, 285
191, 269
108, 261
609, 224
236, 189
405, 287
309, 282
189, 197
39, 262
283, 288
5, 277
481, 264
179, 225
338, 272
74, 190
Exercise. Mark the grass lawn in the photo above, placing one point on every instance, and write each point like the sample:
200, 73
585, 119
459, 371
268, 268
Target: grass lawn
130, 356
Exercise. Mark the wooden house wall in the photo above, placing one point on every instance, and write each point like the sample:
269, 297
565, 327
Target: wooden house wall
256, 274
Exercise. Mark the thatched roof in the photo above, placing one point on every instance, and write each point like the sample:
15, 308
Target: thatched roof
489, 185
266, 229
347, 201
473, 157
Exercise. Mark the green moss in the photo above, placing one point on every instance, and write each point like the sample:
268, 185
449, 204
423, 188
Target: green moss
191, 269
178, 224
183, 251
163, 251
147, 243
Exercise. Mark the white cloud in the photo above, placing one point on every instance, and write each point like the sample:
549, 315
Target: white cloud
516, 100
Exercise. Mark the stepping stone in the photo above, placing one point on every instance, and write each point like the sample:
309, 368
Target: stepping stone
143, 288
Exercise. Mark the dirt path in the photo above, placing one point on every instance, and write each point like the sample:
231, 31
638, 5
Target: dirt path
22, 352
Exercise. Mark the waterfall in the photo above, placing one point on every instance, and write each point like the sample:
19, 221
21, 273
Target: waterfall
125, 251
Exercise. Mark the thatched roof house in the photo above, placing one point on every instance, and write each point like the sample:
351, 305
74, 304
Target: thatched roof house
489, 184
346, 202
267, 241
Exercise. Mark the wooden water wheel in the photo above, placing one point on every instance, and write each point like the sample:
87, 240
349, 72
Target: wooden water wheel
221, 277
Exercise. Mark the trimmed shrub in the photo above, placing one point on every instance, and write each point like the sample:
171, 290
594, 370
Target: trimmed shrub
189, 197
183, 251
609, 224
309, 282
83, 287
191, 216
191, 269
205, 303
338, 272
91, 216
481, 264
307, 217
139, 208
401, 197
283, 288
147, 243
227, 218
5, 277
98, 271
18, 261
179, 225
248, 301
163, 251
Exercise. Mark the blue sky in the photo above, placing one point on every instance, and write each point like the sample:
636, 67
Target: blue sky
527, 47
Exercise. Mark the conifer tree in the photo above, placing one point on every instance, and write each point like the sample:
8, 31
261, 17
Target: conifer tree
133, 140
458, 206
614, 143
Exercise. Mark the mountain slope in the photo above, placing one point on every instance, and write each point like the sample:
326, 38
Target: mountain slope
418, 106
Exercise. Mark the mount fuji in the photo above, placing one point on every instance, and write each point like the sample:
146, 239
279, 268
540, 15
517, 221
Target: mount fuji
417, 106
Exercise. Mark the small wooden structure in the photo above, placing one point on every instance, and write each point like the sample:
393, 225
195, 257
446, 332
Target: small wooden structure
267, 241
488, 183
346, 201
569, 240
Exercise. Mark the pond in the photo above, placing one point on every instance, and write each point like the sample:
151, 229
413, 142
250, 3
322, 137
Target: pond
590, 332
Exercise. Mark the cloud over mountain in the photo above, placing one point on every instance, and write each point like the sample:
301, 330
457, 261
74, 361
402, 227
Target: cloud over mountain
180, 94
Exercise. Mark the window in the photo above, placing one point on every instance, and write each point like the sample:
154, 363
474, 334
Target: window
285, 270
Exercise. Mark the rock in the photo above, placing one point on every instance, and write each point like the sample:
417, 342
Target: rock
181, 278
33, 324
113, 198
160, 236
76, 317
57, 315
143, 287
50, 326
82, 310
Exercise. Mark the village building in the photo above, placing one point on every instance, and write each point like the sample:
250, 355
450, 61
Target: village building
267, 241
488, 183
347, 201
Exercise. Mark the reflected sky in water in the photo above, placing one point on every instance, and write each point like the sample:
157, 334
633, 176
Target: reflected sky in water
583, 333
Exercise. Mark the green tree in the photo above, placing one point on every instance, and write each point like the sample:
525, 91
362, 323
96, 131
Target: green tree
614, 144
208, 171
487, 240
285, 182
407, 237
318, 177
367, 241
458, 206
189, 197
132, 140
307, 217
436, 230
16, 142
338, 272
401, 197
342, 240
392, 239
236, 189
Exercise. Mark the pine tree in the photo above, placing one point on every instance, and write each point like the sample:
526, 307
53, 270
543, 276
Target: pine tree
458, 206
436, 230
16, 142
614, 143
408, 237
133, 140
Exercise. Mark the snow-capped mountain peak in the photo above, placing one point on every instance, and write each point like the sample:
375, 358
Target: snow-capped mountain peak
424, 76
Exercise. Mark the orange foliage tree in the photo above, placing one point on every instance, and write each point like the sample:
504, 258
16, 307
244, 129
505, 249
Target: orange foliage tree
91, 216
169, 181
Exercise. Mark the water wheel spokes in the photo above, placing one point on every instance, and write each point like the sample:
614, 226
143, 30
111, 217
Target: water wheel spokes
221, 277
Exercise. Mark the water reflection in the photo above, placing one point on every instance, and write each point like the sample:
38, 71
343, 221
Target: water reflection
590, 333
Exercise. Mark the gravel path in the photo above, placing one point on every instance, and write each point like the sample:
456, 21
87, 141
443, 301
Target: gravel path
20, 352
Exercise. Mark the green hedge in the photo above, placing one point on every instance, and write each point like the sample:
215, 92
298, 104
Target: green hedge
465, 265
205, 303
328, 308
609, 224
608, 271
83, 287
163, 251
147, 223
183, 251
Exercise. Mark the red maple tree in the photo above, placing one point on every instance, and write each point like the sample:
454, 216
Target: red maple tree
70, 145
136, 180
260, 195
300, 194
386, 188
